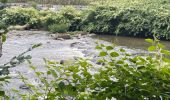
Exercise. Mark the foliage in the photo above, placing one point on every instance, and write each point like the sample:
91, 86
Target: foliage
3, 1
121, 76
58, 28
58, 2
72, 16
52, 18
139, 18
21, 16
100, 19
35, 23
4, 31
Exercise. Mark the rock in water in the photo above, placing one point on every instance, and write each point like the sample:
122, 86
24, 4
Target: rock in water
63, 36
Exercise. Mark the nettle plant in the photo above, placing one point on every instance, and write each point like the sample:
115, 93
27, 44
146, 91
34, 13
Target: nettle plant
120, 75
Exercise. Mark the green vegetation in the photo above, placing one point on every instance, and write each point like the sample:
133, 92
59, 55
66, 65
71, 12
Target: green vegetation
140, 19
58, 28
4, 1
117, 74
59, 2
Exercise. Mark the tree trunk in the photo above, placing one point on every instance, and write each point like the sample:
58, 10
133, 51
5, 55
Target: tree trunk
0, 46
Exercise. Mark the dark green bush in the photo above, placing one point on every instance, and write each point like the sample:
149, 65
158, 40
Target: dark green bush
72, 16
141, 20
35, 23
21, 16
16, 18
2, 25
101, 19
135, 22
58, 28
143, 23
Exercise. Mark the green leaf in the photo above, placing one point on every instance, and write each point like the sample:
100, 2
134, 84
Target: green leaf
161, 45
53, 73
122, 50
98, 47
103, 54
151, 48
3, 37
37, 45
114, 54
61, 85
109, 48
38, 73
166, 60
149, 40
2, 93
166, 52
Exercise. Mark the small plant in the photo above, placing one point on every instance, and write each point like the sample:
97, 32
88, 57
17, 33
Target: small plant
58, 28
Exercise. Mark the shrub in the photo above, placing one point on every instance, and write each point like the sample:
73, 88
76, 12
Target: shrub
58, 28
140, 19
51, 19
2, 25
72, 16
20, 16
100, 19
35, 23
135, 22
143, 23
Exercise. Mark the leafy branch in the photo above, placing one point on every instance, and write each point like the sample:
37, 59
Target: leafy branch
17, 60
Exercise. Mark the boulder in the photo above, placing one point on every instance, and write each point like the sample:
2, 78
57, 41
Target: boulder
19, 27
62, 36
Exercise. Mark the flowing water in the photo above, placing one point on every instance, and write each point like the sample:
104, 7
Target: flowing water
129, 42
19, 41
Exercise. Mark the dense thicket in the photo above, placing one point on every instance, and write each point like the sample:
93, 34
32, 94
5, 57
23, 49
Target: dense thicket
140, 19
59, 2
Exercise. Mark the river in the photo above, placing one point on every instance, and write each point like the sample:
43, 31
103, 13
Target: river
129, 42
19, 41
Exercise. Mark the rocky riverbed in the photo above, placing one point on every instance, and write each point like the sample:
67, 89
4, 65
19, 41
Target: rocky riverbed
60, 50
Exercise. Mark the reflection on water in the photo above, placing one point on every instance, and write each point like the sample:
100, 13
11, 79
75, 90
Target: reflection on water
130, 42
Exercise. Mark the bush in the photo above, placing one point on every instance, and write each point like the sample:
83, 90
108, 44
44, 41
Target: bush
72, 16
100, 19
135, 22
20, 16
35, 23
139, 19
58, 28
51, 19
